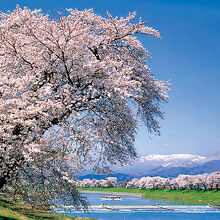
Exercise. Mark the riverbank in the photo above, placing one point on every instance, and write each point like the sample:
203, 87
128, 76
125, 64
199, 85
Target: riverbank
114, 193
15, 211
194, 197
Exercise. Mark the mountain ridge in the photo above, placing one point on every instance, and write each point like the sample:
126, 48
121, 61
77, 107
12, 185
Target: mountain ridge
165, 166
208, 167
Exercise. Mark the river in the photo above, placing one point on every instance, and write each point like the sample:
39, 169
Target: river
136, 208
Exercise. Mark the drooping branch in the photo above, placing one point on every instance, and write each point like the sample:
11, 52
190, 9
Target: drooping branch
74, 87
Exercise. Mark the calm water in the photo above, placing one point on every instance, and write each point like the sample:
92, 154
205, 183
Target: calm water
135, 208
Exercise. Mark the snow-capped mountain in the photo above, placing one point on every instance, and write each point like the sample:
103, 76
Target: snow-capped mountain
208, 167
161, 165
149, 162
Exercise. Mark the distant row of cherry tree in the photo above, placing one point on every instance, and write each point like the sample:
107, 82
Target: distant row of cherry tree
193, 182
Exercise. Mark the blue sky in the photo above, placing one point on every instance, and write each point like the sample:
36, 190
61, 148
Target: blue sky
188, 55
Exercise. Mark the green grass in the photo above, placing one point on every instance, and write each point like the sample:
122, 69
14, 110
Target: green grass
16, 211
183, 196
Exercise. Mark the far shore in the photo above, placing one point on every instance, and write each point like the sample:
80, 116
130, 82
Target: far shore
114, 193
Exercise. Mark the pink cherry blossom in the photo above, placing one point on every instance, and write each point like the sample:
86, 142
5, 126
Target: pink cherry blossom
71, 92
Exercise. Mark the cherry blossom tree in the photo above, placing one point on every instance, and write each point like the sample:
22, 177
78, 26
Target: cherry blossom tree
133, 183
71, 93
213, 180
112, 181
144, 182
108, 182
184, 181
202, 178
86, 183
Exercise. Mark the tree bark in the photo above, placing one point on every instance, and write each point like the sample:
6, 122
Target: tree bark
2, 182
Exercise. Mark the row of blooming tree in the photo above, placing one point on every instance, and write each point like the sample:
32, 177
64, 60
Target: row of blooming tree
194, 182
107, 182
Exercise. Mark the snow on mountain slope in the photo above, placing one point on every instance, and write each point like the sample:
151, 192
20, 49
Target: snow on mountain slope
175, 160
149, 162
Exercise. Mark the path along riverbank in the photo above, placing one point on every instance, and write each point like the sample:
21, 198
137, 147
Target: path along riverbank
114, 193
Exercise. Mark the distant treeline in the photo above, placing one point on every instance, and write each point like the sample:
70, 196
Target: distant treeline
193, 182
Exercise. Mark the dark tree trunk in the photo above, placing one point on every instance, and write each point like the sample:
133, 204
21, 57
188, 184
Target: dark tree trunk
2, 182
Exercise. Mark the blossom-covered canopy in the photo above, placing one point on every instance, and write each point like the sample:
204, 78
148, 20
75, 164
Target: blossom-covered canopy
73, 88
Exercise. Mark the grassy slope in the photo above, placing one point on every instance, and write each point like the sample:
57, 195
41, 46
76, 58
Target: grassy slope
183, 196
14, 211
